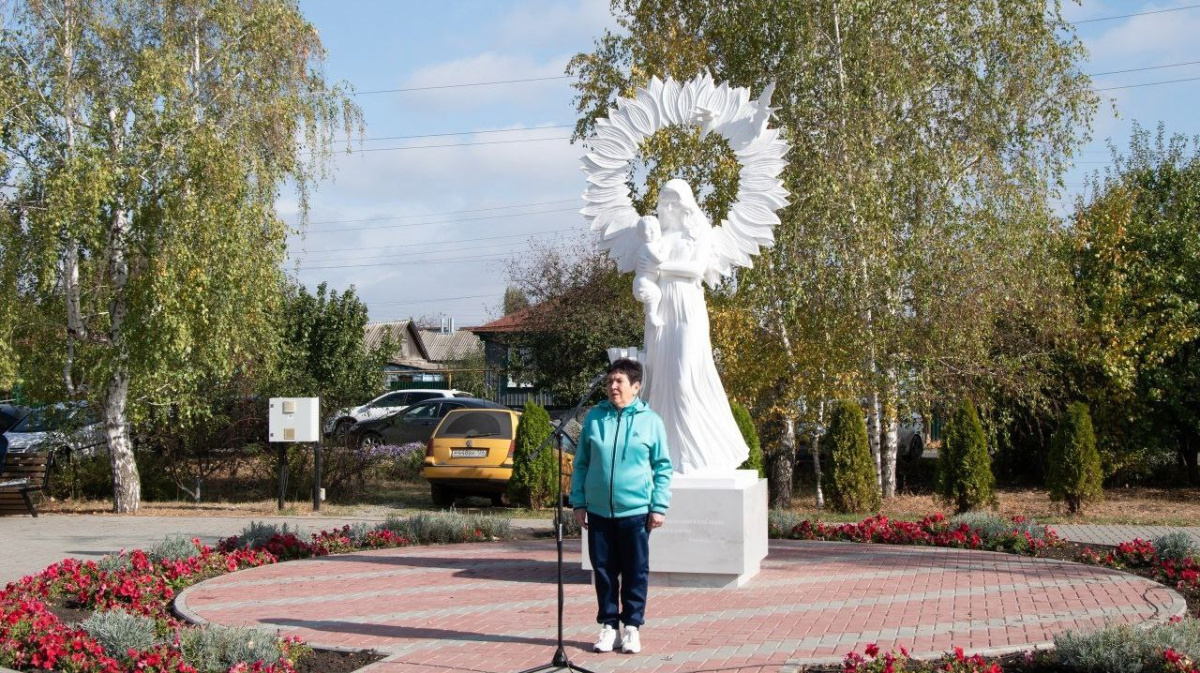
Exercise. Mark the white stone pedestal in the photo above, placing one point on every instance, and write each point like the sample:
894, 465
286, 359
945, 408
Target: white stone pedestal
715, 534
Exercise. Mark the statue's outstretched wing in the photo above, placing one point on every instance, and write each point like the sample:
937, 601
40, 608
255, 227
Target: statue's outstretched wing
751, 220
717, 109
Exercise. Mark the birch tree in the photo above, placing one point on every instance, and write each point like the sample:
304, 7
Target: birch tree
148, 142
928, 140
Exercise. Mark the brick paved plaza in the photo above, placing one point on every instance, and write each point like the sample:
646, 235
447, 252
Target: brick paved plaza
491, 607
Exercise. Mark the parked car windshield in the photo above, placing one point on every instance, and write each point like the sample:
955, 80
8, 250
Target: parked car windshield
480, 423
46, 419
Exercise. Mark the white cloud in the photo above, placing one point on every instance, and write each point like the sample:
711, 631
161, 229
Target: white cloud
554, 25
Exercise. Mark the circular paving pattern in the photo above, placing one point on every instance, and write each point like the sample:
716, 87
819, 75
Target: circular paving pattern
492, 606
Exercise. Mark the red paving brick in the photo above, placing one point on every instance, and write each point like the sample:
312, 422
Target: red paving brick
491, 607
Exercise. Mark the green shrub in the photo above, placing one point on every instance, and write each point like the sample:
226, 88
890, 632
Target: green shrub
1176, 546
1073, 471
118, 631
849, 478
534, 471
746, 424
216, 649
448, 527
965, 478
173, 548
1126, 649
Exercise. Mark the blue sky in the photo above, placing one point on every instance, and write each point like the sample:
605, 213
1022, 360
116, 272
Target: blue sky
429, 231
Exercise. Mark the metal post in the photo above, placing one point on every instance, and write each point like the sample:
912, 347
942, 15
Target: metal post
283, 473
317, 477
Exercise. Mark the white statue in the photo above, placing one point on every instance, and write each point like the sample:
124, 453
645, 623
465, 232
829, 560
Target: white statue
681, 382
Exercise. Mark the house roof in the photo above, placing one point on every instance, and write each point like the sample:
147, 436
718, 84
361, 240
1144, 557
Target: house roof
518, 321
410, 348
451, 346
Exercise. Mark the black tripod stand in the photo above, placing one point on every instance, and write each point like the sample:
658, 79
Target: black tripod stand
560, 660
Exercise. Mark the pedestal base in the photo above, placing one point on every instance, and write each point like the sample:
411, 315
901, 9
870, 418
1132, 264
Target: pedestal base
715, 535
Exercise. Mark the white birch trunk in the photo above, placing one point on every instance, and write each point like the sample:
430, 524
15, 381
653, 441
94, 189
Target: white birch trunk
127, 488
873, 431
816, 453
891, 447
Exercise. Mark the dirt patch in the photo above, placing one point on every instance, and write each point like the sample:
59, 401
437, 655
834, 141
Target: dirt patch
325, 661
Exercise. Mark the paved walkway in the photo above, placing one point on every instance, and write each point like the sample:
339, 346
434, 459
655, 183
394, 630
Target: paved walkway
492, 607
1114, 535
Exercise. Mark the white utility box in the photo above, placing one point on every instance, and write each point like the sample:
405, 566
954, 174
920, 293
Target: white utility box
295, 419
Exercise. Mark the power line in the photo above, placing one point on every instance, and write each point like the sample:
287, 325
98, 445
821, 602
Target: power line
421, 224
468, 133
1151, 67
1134, 86
448, 212
459, 86
464, 240
1127, 16
431, 147
430, 301
396, 262
394, 256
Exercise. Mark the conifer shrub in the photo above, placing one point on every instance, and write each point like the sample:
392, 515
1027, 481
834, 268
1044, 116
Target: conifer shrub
849, 478
749, 433
534, 471
965, 479
1073, 473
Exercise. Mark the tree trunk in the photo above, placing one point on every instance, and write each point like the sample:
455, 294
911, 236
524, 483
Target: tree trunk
891, 448
873, 432
816, 454
1189, 454
127, 487
781, 468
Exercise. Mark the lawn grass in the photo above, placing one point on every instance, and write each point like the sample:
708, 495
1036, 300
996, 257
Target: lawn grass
1124, 506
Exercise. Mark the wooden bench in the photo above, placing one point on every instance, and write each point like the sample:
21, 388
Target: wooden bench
22, 476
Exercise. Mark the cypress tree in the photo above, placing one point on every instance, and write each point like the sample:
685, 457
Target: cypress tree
1073, 474
741, 415
532, 481
849, 479
964, 467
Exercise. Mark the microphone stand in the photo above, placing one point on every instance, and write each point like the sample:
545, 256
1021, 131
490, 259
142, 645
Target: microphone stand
560, 659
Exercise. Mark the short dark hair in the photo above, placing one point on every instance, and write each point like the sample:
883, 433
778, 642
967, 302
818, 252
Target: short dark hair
632, 369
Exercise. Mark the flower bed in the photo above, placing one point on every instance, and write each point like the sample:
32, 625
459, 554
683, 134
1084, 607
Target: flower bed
1181, 573
1018, 535
144, 584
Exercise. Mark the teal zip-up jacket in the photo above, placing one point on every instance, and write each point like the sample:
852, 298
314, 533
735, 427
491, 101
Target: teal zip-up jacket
622, 466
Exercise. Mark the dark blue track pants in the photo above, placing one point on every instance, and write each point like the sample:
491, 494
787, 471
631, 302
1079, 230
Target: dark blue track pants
620, 553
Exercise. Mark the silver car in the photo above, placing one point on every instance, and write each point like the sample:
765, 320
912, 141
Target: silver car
63, 425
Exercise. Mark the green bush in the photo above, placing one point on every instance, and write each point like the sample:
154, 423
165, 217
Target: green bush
965, 478
1073, 471
534, 471
746, 424
849, 478
118, 631
1125, 648
216, 649
258, 534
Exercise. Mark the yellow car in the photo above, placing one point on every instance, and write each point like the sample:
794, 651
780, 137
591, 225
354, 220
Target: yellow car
471, 453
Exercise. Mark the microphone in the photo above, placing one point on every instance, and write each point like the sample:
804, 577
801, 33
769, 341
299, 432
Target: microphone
599, 378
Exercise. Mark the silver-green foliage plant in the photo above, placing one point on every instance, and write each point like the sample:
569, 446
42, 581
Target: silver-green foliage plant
448, 527
257, 534
1176, 546
173, 548
780, 522
115, 562
217, 648
1126, 649
118, 631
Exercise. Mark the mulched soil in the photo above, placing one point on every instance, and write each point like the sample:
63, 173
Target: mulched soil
325, 661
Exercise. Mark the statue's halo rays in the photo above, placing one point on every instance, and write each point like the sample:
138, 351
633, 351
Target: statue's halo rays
715, 108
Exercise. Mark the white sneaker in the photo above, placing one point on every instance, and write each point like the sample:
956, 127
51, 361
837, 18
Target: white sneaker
632, 642
607, 639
